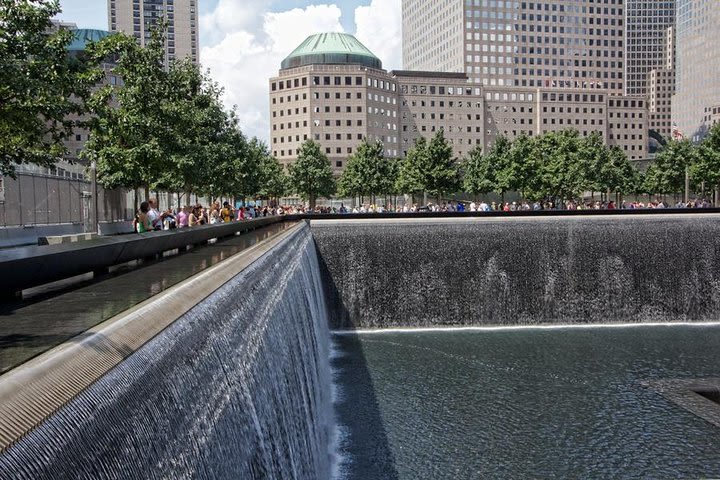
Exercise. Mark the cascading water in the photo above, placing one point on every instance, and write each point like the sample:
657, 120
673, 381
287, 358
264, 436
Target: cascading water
240, 387
237, 388
515, 271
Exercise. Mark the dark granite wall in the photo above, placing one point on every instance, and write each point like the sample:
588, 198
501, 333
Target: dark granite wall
516, 271
238, 388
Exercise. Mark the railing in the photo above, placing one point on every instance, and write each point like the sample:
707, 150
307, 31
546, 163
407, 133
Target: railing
27, 267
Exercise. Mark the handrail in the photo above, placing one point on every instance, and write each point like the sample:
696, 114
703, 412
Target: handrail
31, 266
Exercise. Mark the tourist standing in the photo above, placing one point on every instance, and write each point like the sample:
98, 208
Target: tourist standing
142, 221
182, 217
154, 215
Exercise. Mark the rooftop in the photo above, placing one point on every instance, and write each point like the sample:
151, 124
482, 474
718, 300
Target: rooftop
331, 48
84, 35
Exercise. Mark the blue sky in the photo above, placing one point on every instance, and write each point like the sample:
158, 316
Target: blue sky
242, 42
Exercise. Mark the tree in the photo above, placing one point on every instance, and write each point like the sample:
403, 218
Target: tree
130, 137
411, 178
667, 173
203, 141
311, 175
368, 172
274, 181
429, 167
522, 162
506, 175
563, 174
441, 174
706, 166
479, 174
41, 86
248, 176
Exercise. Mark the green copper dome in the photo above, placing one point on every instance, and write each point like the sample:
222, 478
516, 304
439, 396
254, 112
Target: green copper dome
84, 35
331, 49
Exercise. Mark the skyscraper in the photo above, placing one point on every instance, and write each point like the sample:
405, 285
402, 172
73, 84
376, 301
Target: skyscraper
545, 43
646, 30
697, 67
661, 88
135, 17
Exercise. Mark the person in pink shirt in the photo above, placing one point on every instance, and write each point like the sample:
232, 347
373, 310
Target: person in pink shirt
182, 218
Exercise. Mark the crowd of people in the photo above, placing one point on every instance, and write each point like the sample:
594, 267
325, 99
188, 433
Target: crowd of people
149, 218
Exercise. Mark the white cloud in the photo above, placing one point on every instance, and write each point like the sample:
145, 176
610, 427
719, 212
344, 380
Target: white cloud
251, 48
230, 16
379, 28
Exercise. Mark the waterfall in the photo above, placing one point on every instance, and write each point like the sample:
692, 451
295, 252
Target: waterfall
519, 271
239, 387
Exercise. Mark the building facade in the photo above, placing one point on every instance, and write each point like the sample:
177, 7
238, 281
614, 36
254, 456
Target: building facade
137, 17
542, 44
697, 67
333, 90
660, 90
646, 41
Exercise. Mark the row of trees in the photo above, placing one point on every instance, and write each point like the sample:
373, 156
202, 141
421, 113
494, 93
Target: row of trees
681, 160
557, 165
165, 128
159, 127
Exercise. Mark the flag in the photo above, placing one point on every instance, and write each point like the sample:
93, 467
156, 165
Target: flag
676, 133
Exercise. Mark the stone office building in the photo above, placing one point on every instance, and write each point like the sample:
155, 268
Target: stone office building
333, 90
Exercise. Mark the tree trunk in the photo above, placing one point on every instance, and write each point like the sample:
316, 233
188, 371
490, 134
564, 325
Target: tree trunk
311, 200
135, 200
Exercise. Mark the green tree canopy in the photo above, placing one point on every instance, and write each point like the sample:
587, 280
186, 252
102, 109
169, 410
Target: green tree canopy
274, 181
429, 167
506, 171
311, 175
204, 141
41, 86
368, 172
411, 177
563, 167
441, 173
706, 167
130, 136
522, 161
479, 174
667, 173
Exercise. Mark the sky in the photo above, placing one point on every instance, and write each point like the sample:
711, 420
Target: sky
242, 42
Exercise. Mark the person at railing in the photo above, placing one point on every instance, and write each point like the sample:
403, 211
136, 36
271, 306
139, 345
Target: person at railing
182, 217
214, 215
169, 220
141, 223
227, 213
154, 215
194, 218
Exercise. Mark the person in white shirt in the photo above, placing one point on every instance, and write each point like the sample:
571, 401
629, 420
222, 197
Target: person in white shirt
153, 215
